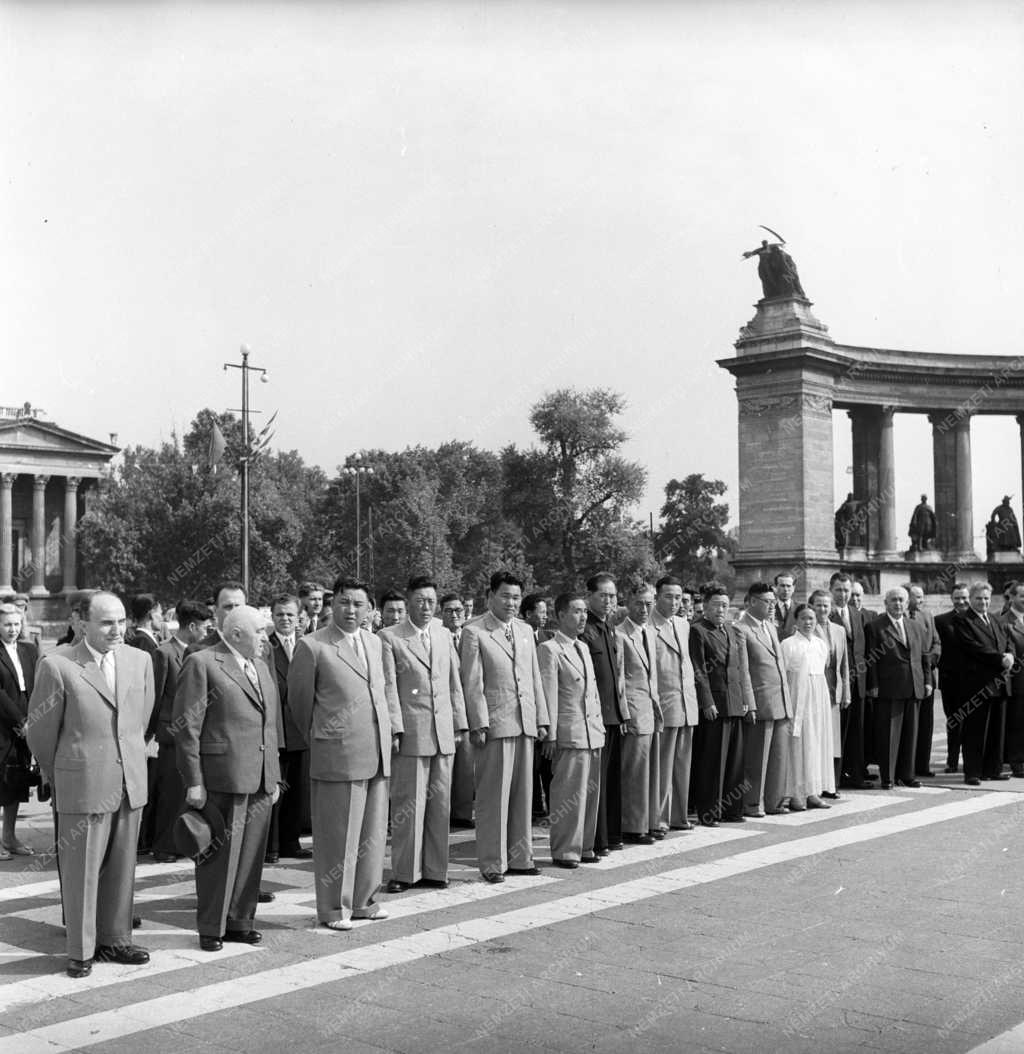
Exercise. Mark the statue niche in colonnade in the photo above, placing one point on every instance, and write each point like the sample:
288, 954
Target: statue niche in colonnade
1002, 533
922, 527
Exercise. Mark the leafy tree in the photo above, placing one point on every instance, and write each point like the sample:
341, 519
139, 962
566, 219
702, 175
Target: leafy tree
692, 541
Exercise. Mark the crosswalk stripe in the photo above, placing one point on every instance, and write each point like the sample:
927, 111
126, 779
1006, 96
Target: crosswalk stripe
104, 1026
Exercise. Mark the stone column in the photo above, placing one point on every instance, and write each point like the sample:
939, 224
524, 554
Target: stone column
864, 428
886, 486
6, 532
39, 537
944, 462
69, 560
964, 490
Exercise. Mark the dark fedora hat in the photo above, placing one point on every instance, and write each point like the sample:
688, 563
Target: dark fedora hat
199, 832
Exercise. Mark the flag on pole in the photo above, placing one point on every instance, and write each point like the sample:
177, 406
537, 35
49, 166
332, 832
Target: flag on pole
217, 446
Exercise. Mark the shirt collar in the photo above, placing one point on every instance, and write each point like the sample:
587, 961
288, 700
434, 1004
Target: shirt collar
96, 656
239, 657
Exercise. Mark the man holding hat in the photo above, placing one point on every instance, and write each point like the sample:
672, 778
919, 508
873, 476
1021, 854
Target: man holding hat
225, 729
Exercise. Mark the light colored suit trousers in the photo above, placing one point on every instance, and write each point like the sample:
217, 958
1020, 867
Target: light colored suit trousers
641, 779
575, 795
97, 877
228, 882
766, 763
350, 829
676, 752
420, 800
504, 799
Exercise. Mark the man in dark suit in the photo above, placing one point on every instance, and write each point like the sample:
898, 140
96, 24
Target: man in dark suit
854, 718
17, 678
785, 606
726, 699
87, 719
1013, 621
985, 659
926, 717
167, 791
311, 600
453, 618
599, 637
949, 672
225, 728
227, 596
899, 676
146, 613
286, 819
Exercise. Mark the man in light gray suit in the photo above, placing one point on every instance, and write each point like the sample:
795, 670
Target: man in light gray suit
86, 726
678, 696
337, 695
421, 677
765, 752
507, 711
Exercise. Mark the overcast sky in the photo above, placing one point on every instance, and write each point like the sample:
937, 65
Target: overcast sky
422, 217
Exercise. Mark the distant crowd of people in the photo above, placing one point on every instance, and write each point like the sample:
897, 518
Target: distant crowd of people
226, 732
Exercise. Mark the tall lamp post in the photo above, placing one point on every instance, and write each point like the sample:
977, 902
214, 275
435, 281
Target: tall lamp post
246, 454
358, 470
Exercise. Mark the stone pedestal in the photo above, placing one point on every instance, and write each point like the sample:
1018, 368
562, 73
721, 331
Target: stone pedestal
1005, 556
924, 556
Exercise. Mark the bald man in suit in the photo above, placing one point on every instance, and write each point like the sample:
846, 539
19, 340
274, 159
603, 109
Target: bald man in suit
338, 696
87, 721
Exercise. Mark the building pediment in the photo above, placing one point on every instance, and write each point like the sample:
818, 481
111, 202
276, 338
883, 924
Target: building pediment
28, 445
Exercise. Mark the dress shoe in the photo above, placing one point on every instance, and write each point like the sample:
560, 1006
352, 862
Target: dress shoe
297, 853
522, 871
908, 783
462, 825
950, 769
885, 785
616, 847
637, 839
493, 877
830, 794
733, 819
372, 913
569, 865
271, 858
79, 967
338, 924
777, 812
709, 823
164, 858
397, 886
860, 785
125, 954
210, 944
602, 852
972, 781
682, 826
996, 776
657, 834
925, 775
753, 812
243, 937
265, 897
18, 849
136, 921
814, 802
797, 806
433, 883
589, 858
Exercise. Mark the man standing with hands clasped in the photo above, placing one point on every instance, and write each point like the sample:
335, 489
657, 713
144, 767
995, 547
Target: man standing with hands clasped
86, 727
225, 730
506, 709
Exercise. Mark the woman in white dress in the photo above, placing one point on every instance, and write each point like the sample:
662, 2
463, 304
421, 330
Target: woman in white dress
810, 744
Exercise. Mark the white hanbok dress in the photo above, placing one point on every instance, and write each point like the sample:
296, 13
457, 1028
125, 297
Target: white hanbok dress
811, 770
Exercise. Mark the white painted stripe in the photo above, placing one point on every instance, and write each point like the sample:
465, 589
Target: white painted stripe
92, 1029
923, 791
674, 842
1011, 1042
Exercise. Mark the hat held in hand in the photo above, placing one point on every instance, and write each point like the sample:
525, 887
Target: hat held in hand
199, 832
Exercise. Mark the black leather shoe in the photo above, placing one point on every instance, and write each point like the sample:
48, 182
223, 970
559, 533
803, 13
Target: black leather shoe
298, 853
657, 835
733, 819
602, 852
569, 865
79, 967
951, 768
243, 937
638, 839
996, 776
683, 826
523, 871
925, 775
265, 897
210, 944
589, 858
616, 847
164, 858
493, 877
885, 785
830, 794
860, 785
136, 921
908, 783
433, 883
462, 825
396, 886
271, 858
972, 781
125, 954
709, 823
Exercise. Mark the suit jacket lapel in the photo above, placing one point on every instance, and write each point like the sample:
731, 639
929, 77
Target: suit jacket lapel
572, 656
412, 635
497, 630
232, 669
92, 673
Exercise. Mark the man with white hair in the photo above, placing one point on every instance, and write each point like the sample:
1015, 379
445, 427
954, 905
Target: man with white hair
898, 677
225, 730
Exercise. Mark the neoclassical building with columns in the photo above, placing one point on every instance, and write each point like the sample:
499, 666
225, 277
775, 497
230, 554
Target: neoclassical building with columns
47, 474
